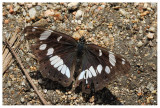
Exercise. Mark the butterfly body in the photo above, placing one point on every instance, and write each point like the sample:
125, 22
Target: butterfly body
58, 53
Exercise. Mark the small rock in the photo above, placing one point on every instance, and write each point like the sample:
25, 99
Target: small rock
69, 92
38, 8
145, 5
149, 99
150, 86
6, 21
22, 99
49, 12
73, 5
23, 83
32, 95
154, 91
53, 27
139, 44
152, 29
150, 35
45, 90
24, 13
16, 8
79, 21
9, 83
79, 14
150, 43
123, 12
11, 9
91, 99
32, 13
40, 81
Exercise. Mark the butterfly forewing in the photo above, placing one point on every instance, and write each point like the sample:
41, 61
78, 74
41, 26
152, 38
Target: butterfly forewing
56, 53
99, 67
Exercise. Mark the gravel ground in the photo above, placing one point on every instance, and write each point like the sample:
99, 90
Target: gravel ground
129, 29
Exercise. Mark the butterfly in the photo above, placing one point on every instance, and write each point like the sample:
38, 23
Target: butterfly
59, 54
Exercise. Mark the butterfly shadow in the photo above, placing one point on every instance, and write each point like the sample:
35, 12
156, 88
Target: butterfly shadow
48, 84
102, 97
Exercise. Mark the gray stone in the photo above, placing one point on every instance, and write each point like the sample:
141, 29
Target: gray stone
73, 5
150, 35
79, 14
150, 86
22, 99
32, 12
152, 29
139, 44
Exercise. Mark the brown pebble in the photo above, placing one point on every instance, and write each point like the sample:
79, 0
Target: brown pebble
150, 35
11, 9
144, 13
91, 99
6, 21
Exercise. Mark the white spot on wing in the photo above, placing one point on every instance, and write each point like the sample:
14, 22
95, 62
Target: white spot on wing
86, 72
64, 69
45, 35
91, 69
52, 58
112, 59
59, 38
60, 68
50, 51
99, 68
86, 81
81, 75
123, 61
100, 52
107, 69
55, 61
68, 72
43, 47
60, 62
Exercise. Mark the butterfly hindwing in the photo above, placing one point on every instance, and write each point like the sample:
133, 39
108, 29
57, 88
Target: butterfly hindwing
99, 67
55, 52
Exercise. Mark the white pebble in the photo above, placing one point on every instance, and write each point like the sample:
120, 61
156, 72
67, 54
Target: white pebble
79, 14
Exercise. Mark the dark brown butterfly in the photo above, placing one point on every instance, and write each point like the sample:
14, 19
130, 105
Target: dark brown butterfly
58, 53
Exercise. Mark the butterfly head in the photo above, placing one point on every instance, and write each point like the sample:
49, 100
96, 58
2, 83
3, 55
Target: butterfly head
82, 40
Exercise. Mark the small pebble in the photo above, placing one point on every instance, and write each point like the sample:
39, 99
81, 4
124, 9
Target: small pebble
79, 14
53, 27
123, 12
40, 81
49, 12
24, 13
45, 90
22, 99
139, 44
9, 83
32, 95
150, 86
150, 35
38, 8
32, 13
23, 83
16, 8
79, 21
152, 29
73, 5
